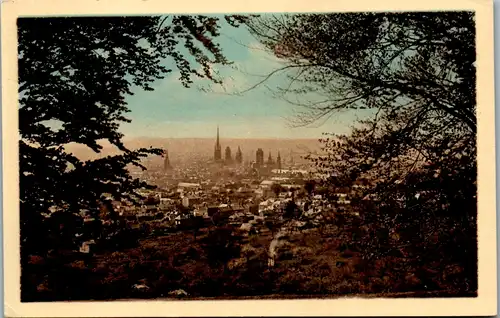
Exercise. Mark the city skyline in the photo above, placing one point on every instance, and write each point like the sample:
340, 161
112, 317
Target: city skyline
217, 157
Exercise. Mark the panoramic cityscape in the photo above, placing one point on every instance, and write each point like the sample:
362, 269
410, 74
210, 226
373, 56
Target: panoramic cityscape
265, 156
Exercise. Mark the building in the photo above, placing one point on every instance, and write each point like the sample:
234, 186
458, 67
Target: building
166, 163
278, 161
290, 172
183, 186
218, 148
270, 161
266, 184
239, 156
190, 201
259, 160
228, 158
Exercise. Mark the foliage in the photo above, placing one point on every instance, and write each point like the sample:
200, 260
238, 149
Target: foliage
309, 264
221, 245
291, 210
412, 78
74, 76
277, 188
151, 200
309, 186
386, 61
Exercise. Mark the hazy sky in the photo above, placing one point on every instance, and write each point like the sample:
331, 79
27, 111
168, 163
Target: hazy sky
173, 111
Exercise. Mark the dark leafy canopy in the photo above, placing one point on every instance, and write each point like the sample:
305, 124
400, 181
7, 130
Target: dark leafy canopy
74, 75
414, 73
376, 61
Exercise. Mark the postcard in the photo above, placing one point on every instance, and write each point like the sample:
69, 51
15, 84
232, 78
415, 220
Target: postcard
277, 158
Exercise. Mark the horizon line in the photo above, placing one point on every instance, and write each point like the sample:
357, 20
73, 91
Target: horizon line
249, 138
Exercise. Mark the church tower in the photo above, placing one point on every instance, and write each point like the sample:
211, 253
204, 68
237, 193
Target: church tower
270, 162
278, 161
218, 149
166, 162
259, 157
239, 156
291, 161
228, 157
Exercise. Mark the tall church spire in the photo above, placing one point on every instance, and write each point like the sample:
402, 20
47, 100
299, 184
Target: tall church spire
217, 135
166, 162
239, 156
270, 161
218, 148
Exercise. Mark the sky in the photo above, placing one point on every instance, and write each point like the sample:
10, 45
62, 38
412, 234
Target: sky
172, 111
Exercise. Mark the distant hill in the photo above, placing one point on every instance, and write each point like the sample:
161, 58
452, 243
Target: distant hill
181, 148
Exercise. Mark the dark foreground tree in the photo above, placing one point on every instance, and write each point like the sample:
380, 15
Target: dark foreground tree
413, 75
74, 75
375, 60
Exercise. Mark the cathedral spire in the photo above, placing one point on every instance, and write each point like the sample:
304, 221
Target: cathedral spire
217, 135
218, 148
270, 161
239, 156
166, 162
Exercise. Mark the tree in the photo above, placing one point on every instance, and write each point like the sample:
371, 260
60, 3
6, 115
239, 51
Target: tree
413, 77
277, 189
74, 75
309, 186
151, 200
291, 210
272, 225
415, 71
221, 245
425, 61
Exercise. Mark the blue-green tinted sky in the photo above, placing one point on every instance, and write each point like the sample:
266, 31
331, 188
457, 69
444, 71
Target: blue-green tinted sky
172, 111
